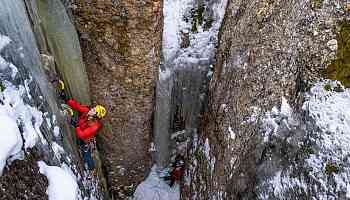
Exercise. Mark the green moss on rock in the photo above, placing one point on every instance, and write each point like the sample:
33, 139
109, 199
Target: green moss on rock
317, 3
327, 87
331, 168
339, 69
198, 19
199, 155
2, 87
208, 23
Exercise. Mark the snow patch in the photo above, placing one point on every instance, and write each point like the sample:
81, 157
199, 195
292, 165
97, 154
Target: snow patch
4, 41
154, 188
328, 106
27, 117
56, 131
286, 110
57, 149
173, 12
202, 44
232, 134
26, 85
331, 112
207, 149
253, 118
275, 117
62, 184
10, 137
211, 160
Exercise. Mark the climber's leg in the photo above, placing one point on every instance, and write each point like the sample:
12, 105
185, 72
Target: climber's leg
167, 178
86, 153
172, 181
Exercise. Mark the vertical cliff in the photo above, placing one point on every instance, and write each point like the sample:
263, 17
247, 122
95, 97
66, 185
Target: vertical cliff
30, 59
264, 131
121, 47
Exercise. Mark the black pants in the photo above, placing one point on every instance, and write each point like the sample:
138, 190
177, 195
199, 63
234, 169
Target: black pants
172, 180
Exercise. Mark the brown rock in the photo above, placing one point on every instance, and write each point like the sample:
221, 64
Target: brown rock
122, 58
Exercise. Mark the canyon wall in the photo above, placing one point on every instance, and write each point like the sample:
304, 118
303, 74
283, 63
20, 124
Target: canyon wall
121, 43
260, 136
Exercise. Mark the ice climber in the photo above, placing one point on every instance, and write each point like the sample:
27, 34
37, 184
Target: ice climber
86, 126
178, 170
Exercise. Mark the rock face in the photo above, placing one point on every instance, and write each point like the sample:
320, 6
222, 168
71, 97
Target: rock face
63, 44
32, 102
270, 52
121, 47
20, 176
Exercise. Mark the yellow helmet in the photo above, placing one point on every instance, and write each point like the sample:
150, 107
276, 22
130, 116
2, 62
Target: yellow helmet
60, 85
100, 111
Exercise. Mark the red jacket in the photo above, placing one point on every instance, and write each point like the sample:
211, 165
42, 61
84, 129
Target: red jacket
177, 173
86, 130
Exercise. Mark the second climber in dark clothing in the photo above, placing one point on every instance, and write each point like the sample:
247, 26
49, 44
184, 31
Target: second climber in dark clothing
177, 172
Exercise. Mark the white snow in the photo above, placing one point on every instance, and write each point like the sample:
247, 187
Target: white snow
331, 111
29, 117
56, 131
4, 41
202, 43
10, 137
286, 110
253, 118
232, 134
281, 184
211, 159
62, 184
207, 149
173, 12
270, 125
57, 149
14, 113
272, 119
154, 188
25, 115
26, 85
